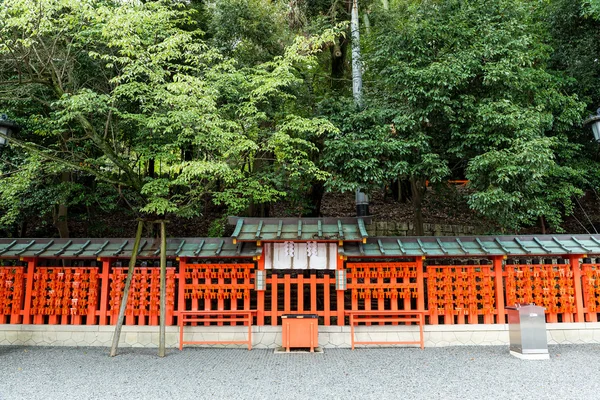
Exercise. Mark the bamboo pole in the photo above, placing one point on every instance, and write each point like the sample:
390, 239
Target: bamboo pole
163, 289
136, 245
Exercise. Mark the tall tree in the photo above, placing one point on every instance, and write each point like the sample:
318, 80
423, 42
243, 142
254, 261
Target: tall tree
125, 84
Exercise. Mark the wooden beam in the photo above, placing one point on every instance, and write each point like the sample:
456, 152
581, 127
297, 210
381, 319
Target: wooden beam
123, 306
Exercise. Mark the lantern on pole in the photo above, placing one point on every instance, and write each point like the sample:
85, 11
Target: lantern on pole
594, 121
7, 129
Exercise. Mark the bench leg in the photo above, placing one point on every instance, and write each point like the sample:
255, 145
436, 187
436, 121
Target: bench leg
181, 337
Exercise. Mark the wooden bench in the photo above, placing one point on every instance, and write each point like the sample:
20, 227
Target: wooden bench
357, 317
216, 316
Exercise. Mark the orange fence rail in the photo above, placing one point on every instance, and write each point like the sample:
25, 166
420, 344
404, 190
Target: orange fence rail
208, 317
447, 294
386, 317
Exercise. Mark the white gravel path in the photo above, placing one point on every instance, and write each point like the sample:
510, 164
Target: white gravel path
64, 373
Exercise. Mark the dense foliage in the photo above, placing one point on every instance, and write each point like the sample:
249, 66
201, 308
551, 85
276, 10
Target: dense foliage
164, 107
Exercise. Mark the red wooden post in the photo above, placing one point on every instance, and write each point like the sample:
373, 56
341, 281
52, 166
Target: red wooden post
300, 295
420, 284
313, 294
327, 299
103, 296
574, 261
287, 288
274, 299
181, 285
499, 286
31, 266
260, 301
340, 306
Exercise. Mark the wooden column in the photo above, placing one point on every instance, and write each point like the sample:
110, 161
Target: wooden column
31, 266
341, 307
576, 268
181, 289
420, 284
103, 296
260, 296
499, 283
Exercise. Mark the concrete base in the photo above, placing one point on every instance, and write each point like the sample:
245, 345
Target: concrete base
541, 356
270, 336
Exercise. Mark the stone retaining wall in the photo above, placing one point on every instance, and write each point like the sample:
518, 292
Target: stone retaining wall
270, 336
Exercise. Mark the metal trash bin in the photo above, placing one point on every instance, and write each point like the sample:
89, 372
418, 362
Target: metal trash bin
527, 332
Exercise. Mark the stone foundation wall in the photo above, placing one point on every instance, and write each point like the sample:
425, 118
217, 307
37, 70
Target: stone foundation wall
270, 336
382, 228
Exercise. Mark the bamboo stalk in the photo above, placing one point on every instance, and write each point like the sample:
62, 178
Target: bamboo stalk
117, 334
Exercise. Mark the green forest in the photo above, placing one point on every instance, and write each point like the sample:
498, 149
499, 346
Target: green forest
194, 110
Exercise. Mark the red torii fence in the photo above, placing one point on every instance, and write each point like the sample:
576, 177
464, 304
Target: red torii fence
453, 280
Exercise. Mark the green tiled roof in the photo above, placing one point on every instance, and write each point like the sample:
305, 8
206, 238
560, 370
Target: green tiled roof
480, 246
122, 248
304, 229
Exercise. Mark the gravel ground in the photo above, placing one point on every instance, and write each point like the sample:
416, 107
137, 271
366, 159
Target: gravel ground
368, 373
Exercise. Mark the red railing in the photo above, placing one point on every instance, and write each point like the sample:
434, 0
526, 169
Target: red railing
449, 294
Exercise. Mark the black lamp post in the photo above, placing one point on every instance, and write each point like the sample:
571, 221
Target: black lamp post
594, 121
7, 128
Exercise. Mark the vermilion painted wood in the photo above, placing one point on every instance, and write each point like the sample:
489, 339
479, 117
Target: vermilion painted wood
12, 294
499, 286
274, 306
31, 264
340, 303
327, 300
591, 291
232, 317
260, 298
299, 333
579, 311
383, 317
287, 291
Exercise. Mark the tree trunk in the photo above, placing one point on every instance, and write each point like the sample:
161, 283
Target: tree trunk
418, 191
356, 57
163, 289
151, 168
61, 221
543, 224
132, 261
317, 191
401, 190
338, 63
